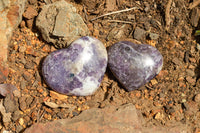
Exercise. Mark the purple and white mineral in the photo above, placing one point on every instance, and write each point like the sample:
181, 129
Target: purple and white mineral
134, 65
78, 69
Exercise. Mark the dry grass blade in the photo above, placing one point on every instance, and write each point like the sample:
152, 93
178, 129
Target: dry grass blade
167, 15
125, 10
120, 21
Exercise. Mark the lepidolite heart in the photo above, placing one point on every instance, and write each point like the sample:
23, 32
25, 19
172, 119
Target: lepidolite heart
78, 69
134, 65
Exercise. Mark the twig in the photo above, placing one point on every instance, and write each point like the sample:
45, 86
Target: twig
44, 111
125, 10
86, 17
120, 21
194, 4
149, 87
167, 15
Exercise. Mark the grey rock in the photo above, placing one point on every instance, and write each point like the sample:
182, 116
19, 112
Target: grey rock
116, 33
60, 24
190, 72
16, 115
195, 16
139, 34
176, 61
153, 36
147, 26
10, 104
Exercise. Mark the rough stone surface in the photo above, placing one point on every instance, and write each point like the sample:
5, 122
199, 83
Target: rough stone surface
123, 119
108, 120
139, 33
134, 65
78, 69
195, 17
197, 98
30, 12
3, 70
153, 36
60, 24
10, 17
10, 104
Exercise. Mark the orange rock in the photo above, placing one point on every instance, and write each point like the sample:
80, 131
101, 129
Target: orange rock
30, 12
58, 96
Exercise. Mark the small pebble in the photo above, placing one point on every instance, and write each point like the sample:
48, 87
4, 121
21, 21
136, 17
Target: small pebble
22, 49
21, 121
153, 36
197, 98
139, 34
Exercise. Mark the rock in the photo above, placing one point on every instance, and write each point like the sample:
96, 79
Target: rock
7, 89
134, 65
153, 36
10, 104
6, 116
175, 128
78, 69
55, 95
147, 7
110, 119
123, 119
60, 24
195, 17
22, 103
30, 12
16, 115
3, 70
191, 80
197, 98
190, 72
176, 61
10, 17
110, 5
90, 4
116, 33
27, 76
19, 128
139, 34
29, 15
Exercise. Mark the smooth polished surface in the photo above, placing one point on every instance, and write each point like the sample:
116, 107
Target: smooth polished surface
134, 65
78, 69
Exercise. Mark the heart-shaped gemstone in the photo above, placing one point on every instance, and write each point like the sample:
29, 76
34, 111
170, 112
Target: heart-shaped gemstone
78, 69
134, 65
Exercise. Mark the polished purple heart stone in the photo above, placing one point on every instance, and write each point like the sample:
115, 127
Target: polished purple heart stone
134, 65
78, 69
